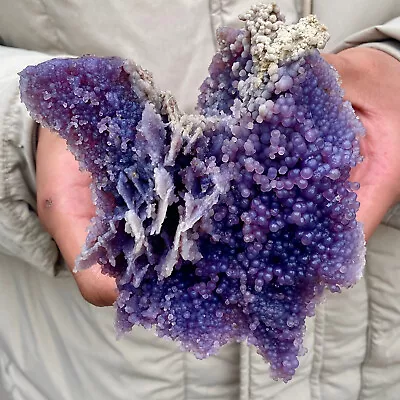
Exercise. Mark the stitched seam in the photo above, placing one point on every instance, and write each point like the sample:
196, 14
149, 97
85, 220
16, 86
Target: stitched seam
7, 163
249, 368
319, 331
2, 161
52, 25
244, 373
221, 13
215, 13
185, 380
363, 383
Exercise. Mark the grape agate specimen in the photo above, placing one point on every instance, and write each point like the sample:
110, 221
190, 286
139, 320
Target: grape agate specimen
229, 224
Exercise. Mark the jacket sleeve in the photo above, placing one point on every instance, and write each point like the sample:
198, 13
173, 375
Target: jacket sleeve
21, 234
384, 37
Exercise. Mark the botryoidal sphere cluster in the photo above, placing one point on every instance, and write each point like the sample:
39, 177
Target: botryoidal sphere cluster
227, 224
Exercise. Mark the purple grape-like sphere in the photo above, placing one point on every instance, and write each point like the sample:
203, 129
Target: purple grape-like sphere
225, 225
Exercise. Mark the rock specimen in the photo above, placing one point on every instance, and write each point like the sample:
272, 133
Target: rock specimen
228, 224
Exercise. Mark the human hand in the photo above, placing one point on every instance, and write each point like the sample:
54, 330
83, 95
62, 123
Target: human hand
65, 209
371, 81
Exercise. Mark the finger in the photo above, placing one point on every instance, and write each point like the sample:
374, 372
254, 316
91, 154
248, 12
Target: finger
359, 72
373, 207
349, 79
94, 286
65, 209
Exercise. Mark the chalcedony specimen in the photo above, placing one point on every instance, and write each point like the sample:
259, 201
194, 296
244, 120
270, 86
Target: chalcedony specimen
228, 224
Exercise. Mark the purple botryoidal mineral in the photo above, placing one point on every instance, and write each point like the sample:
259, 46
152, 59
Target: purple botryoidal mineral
225, 225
